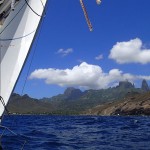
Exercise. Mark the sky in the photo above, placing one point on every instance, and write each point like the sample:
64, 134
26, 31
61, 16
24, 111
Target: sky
66, 54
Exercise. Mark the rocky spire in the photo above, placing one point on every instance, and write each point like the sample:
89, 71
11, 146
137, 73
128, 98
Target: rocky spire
145, 86
125, 84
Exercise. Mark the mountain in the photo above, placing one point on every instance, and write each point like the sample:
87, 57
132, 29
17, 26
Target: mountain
27, 105
145, 86
73, 101
72, 93
139, 104
78, 100
125, 85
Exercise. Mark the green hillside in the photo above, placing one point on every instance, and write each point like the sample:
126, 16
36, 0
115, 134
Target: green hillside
73, 101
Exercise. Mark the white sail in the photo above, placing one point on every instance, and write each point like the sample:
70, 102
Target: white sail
16, 36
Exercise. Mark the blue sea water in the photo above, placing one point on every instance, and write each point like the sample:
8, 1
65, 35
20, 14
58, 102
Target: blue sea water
77, 132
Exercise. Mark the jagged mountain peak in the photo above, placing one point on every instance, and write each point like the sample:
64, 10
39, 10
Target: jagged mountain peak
145, 86
72, 93
125, 84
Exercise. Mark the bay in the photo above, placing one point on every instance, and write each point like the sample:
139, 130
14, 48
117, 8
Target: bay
43, 132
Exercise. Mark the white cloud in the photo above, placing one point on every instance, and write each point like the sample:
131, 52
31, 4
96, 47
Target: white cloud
99, 57
65, 52
132, 51
84, 75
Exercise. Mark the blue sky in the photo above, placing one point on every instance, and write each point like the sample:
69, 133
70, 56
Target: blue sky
68, 54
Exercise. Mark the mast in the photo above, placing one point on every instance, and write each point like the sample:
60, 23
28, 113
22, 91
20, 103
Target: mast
19, 23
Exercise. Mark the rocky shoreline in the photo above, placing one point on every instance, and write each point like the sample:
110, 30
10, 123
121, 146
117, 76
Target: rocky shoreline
131, 105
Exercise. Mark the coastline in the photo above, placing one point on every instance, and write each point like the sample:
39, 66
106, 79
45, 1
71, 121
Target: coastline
97, 115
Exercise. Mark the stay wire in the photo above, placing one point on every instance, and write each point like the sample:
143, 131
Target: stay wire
1, 99
29, 69
21, 139
34, 51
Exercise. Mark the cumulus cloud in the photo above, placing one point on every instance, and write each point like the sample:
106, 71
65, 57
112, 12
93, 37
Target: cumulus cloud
132, 51
99, 57
84, 75
63, 52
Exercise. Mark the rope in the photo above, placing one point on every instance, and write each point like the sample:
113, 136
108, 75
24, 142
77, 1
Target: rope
42, 3
34, 10
8, 129
17, 38
86, 15
21, 139
1, 99
3, 103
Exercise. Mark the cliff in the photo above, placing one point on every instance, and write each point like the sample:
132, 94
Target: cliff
138, 104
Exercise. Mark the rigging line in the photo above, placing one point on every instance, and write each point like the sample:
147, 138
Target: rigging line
86, 15
34, 10
1, 99
5, 108
44, 8
42, 3
17, 38
42, 21
6, 128
13, 18
4, 105
21, 139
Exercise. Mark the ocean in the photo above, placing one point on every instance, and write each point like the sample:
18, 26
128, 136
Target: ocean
45, 132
